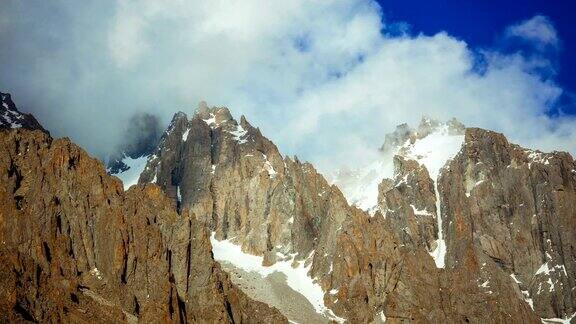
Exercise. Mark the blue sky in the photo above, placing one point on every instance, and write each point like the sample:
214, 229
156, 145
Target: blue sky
481, 24
325, 80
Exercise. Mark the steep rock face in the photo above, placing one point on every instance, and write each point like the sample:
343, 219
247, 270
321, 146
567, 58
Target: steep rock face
518, 207
239, 185
77, 248
410, 203
509, 209
412, 200
10, 117
375, 276
369, 267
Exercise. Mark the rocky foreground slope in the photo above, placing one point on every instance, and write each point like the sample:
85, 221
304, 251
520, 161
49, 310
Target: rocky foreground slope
462, 226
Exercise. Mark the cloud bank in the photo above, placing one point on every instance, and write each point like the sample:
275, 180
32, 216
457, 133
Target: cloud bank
325, 80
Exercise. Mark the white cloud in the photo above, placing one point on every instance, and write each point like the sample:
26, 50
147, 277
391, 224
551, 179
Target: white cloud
537, 29
319, 78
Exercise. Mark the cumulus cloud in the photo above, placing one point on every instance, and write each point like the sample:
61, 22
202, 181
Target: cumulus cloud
325, 80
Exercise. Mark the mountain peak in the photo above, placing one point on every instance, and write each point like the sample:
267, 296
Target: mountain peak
404, 132
213, 116
10, 117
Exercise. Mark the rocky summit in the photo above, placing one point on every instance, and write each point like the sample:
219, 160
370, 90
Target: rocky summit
10, 117
213, 224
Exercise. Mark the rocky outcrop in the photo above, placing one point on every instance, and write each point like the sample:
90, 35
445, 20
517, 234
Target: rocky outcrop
518, 207
10, 117
409, 202
239, 185
508, 210
77, 248
377, 277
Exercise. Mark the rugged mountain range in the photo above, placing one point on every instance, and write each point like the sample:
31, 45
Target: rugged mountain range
450, 224
75, 247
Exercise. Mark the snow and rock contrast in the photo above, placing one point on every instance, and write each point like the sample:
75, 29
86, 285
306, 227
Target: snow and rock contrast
451, 224
402, 182
138, 141
10, 117
284, 212
76, 248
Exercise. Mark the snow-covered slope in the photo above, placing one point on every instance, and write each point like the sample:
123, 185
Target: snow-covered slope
130, 175
432, 145
433, 151
296, 276
10, 117
360, 185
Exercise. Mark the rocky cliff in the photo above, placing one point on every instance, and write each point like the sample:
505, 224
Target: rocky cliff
400, 259
77, 248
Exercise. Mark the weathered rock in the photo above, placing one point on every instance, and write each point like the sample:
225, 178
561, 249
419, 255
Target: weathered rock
519, 208
508, 218
76, 248
237, 183
410, 203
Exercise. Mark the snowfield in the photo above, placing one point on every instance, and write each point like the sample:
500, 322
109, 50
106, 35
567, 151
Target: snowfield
360, 187
296, 277
130, 176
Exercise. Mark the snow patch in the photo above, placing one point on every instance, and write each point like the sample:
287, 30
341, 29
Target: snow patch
239, 134
434, 150
439, 254
525, 293
566, 320
382, 317
420, 212
545, 269
95, 272
132, 174
185, 135
537, 157
268, 167
210, 121
11, 117
296, 277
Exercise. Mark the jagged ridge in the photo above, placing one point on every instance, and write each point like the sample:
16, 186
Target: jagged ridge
237, 183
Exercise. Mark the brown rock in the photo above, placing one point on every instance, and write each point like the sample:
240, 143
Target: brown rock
76, 248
